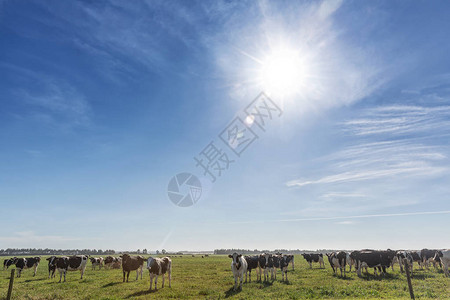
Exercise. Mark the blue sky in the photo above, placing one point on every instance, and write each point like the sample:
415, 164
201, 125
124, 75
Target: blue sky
103, 102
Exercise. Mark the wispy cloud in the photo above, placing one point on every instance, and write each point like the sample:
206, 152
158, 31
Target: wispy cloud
400, 120
406, 214
404, 141
49, 100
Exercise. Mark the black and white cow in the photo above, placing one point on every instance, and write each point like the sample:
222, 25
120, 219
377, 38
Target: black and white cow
444, 257
373, 259
337, 260
290, 259
70, 263
159, 266
275, 262
96, 261
262, 266
284, 263
239, 268
8, 262
51, 266
131, 263
27, 263
416, 258
404, 257
313, 257
113, 262
350, 261
252, 264
427, 256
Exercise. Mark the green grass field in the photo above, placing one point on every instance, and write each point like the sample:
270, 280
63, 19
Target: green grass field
211, 278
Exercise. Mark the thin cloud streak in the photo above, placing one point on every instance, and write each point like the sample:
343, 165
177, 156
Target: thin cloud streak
347, 217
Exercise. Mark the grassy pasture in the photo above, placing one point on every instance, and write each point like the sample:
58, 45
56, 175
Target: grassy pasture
211, 278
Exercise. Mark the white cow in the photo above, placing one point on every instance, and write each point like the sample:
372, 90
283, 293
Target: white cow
239, 268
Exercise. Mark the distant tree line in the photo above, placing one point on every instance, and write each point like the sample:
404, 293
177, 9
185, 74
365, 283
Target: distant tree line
47, 251
256, 251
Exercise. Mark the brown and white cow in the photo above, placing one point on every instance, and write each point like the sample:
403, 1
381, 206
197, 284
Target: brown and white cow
113, 262
70, 263
96, 261
131, 263
159, 266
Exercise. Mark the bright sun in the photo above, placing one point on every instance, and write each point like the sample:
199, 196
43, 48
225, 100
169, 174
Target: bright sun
282, 72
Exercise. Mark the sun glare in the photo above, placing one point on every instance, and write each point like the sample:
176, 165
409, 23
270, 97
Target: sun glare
282, 72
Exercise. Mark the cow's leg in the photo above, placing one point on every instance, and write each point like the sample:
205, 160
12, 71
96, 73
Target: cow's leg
235, 282
170, 274
310, 265
82, 272
163, 277
137, 274
65, 272
156, 281
241, 279
123, 276
60, 276
128, 275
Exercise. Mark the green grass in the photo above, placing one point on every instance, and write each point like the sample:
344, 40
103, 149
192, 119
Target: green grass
211, 278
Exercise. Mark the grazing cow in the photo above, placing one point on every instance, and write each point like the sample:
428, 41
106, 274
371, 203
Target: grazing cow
252, 263
444, 257
284, 263
51, 266
313, 257
159, 266
70, 263
96, 261
131, 263
337, 260
113, 262
239, 268
427, 256
27, 263
8, 262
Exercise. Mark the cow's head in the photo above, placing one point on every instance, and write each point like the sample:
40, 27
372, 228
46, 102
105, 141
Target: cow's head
149, 262
235, 259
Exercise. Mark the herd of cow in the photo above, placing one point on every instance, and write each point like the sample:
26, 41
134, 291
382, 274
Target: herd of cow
155, 266
264, 263
363, 259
